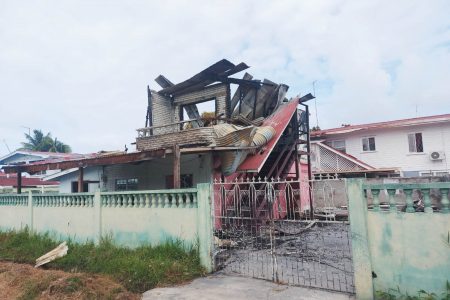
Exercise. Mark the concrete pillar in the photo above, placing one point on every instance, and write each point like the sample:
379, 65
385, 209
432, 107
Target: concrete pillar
204, 225
362, 264
30, 211
97, 217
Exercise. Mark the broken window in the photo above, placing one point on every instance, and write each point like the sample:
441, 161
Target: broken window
205, 110
337, 144
368, 144
130, 184
415, 142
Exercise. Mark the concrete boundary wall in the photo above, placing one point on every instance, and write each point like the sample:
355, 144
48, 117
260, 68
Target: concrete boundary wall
131, 219
395, 248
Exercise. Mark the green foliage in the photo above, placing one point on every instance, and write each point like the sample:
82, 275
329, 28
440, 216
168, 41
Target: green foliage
396, 294
138, 269
45, 143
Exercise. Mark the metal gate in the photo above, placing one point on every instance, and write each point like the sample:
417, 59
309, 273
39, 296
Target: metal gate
266, 229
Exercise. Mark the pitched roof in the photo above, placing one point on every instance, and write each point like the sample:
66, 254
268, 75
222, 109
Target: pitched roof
43, 155
11, 180
382, 125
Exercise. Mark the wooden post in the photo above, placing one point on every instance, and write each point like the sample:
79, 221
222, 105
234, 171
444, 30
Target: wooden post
176, 167
80, 179
19, 181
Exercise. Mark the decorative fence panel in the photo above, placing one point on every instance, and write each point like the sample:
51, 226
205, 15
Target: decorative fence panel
264, 229
130, 218
399, 244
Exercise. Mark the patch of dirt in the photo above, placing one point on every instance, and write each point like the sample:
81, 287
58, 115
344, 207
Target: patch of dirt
21, 281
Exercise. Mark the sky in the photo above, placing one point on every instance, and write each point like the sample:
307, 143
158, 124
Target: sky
79, 69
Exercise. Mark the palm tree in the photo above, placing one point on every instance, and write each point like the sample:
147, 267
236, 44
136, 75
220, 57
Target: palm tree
59, 147
39, 141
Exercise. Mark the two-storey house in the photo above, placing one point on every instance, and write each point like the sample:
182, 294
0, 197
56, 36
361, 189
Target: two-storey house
408, 147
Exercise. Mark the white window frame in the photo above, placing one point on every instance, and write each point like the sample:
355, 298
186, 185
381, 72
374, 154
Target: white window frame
415, 144
368, 143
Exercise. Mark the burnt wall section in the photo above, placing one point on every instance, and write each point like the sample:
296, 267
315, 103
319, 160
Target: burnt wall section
162, 111
218, 92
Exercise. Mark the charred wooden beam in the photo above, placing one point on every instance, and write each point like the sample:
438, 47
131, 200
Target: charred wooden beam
163, 81
95, 161
149, 117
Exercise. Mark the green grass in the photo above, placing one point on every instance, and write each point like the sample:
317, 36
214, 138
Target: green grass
138, 269
396, 294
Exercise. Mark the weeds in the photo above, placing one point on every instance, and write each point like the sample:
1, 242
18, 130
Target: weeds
396, 294
138, 269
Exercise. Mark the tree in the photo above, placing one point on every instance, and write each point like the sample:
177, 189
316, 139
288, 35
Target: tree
39, 141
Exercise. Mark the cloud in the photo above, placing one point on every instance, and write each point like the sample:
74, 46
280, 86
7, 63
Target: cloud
80, 69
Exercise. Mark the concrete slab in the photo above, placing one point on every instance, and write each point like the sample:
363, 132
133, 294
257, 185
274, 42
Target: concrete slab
232, 287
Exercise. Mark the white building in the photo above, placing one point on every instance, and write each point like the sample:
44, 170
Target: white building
408, 147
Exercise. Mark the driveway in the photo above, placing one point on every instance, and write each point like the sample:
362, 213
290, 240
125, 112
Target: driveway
232, 287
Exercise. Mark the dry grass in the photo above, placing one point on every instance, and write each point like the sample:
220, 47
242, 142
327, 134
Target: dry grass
21, 281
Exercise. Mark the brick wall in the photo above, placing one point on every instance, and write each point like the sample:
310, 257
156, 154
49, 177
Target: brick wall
218, 92
162, 111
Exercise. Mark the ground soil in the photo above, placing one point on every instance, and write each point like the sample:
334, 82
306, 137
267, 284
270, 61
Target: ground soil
21, 281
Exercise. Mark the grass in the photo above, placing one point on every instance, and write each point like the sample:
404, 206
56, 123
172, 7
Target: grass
32, 288
396, 294
138, 269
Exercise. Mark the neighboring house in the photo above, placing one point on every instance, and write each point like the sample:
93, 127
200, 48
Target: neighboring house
254, 132
408, 148
8, 184
20, 157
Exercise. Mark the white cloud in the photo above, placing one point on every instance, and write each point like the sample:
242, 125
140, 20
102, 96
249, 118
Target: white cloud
80, 69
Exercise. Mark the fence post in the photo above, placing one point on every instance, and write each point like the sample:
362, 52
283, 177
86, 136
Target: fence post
204, 225
30, 210
357, 206
97, 217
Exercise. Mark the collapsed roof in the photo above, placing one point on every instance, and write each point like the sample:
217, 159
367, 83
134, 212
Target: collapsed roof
237, 118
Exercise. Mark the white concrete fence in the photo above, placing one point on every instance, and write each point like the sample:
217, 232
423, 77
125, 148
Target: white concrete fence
130, 218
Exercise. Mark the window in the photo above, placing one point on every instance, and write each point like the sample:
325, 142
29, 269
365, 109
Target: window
74, 188
186, 181
368, 144
415, 142
130, 184
337, 144
435, 173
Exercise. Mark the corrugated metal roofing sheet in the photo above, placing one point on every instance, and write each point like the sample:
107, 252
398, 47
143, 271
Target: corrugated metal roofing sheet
279, 121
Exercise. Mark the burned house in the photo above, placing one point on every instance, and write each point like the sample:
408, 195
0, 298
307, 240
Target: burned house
252, 130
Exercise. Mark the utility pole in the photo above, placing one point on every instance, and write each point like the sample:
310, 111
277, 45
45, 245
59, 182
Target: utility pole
315, 102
